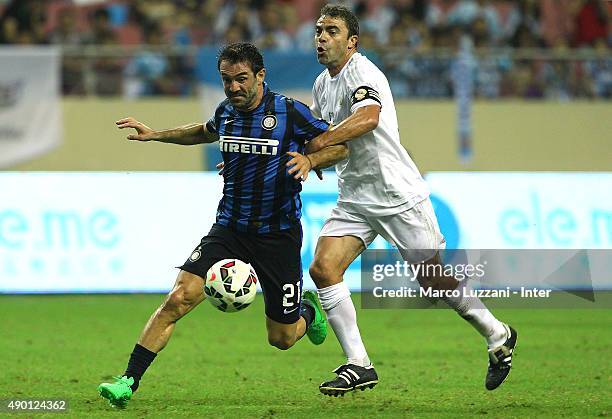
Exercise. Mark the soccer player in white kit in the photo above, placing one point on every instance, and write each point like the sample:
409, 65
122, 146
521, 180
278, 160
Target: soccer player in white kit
380, 192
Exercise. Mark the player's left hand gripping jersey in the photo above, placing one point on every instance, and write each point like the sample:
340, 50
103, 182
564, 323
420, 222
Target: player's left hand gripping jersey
379, 177
258, 194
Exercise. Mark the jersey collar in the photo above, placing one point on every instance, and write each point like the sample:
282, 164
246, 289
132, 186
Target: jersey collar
351, 58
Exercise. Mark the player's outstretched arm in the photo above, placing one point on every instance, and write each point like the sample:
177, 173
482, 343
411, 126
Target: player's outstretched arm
328, 156
186, 135
364, 120
300, 165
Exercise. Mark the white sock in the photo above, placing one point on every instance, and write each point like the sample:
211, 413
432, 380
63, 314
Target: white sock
478, 315
341, 315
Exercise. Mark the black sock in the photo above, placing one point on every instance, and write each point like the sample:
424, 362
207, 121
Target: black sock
140, 360
307, 312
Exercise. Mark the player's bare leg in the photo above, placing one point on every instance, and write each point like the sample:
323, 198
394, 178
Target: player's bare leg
311, 322
417, 235
501, 338
184, 297
284, 336
471, 309
332, 257
186, 294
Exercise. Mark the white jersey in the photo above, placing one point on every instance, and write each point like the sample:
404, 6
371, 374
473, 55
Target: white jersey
379, 177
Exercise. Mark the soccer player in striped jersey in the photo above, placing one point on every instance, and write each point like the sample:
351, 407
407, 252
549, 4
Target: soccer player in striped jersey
380, 192
262, 136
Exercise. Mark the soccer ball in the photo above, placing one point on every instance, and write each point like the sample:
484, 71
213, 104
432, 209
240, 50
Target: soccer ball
231, 285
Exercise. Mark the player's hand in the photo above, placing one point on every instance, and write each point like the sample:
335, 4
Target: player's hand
301, 166
143, 133
220, 166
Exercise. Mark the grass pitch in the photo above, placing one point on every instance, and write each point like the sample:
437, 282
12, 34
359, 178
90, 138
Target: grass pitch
430, 362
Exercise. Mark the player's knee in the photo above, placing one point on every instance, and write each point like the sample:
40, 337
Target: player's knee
316, 271
280, 344
173, 303
439, 282
185, 294
322, 273
177, 303
425, 282
281, 341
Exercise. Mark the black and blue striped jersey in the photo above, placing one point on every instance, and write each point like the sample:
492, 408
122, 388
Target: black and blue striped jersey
259, 196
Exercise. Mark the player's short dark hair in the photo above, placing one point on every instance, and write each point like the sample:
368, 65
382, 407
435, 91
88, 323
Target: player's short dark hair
341, 12
241, 52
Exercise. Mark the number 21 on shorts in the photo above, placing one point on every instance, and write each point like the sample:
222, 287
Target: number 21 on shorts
289, 292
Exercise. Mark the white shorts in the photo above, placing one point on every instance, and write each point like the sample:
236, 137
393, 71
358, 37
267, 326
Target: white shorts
413, 229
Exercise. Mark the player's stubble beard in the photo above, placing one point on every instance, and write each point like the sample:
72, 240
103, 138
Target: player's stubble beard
246, 98
334, 56
330, 57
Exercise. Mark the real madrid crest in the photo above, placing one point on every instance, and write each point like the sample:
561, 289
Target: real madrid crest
269, 122
360, 94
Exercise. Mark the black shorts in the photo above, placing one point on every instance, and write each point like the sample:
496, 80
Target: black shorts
275, 257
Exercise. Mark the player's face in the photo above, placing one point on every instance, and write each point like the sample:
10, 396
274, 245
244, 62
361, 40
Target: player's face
242, 87
334, 46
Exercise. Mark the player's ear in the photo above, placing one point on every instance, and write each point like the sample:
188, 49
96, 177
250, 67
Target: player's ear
261, 75
352, 42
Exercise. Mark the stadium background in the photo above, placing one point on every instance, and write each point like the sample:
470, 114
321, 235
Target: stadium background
92, 212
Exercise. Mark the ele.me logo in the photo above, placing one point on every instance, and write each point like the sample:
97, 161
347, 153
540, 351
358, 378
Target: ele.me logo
61, 229
58, 244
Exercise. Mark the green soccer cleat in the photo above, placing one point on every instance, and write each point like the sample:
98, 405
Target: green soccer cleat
119, 392
317, 331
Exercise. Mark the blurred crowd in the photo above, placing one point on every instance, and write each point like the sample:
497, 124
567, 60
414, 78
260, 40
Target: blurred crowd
402, 36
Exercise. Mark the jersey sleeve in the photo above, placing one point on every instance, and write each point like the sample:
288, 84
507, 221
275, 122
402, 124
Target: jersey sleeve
305, 125
363, 90
211, 125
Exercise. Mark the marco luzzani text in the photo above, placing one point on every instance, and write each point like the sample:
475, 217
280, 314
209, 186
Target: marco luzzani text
402, 271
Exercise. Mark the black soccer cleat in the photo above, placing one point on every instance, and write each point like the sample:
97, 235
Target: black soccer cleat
350, 377
500, 361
